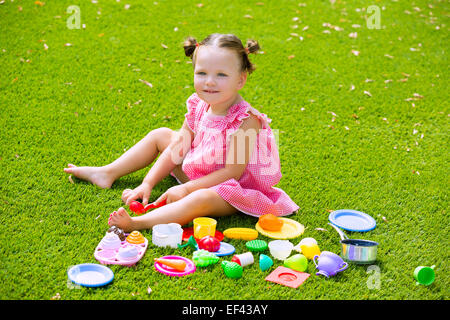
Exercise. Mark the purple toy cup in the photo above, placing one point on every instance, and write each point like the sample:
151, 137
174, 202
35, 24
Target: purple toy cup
329, 264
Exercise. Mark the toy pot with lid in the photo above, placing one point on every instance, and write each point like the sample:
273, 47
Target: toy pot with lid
329, 264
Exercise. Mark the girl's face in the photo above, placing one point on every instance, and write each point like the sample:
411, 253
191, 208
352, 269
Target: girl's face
217, 77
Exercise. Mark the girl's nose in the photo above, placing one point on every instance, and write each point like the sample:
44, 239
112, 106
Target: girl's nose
210, 81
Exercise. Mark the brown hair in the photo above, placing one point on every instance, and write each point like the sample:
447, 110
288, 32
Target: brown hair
229, 41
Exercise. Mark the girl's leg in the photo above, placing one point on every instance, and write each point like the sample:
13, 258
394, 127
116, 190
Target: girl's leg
203, 202
139, 156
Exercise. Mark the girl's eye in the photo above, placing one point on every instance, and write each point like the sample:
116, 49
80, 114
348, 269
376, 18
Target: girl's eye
222, 74
201, 73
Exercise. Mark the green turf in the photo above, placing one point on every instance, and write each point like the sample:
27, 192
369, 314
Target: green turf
384, 154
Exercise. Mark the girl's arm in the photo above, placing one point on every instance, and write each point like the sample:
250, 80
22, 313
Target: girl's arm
239, 153
172, 156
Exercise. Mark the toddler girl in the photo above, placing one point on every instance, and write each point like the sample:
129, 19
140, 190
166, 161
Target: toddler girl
224, 156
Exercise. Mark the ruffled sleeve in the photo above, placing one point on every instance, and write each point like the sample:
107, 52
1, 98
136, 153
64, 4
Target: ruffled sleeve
236, 117
191, 115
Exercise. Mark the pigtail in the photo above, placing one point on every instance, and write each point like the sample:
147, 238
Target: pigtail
252, 46
189, 46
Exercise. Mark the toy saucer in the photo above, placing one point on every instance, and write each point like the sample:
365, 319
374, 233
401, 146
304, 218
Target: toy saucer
169, 271
107, 256
189, 231
290, 229
352, 220
90, 275
224, 250
287, 277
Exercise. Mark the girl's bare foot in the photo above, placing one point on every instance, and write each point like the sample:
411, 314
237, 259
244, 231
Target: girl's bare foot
96, 175
122, 220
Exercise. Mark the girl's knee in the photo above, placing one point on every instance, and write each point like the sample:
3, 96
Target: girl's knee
162, 137
208, 202
203, 198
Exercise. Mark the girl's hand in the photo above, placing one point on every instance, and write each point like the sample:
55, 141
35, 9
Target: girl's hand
141, 192
173, 194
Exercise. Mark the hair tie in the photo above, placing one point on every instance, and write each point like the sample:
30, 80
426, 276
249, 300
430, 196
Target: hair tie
246, 50
197, 44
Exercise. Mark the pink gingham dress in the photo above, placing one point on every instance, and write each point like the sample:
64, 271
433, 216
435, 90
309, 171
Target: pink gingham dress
254, 193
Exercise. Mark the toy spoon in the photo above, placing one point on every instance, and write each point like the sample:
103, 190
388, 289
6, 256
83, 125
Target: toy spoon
139, 208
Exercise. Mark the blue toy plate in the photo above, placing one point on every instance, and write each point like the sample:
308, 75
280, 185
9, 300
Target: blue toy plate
224, 250
90, 275
352, 220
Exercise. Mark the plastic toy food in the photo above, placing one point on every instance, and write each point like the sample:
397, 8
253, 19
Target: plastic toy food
297, 262
111, 250
256, 245
329, 264
128, 252
270, 222
110, 241
290, 229
191, 243
189, 266
167, 235
204, 258
424, 275
310, 250
265, 262
117, 231
241, 233
304, 241
176, 264
224, 250
232, 269
135, 238
209, 243
280, 249
243, 259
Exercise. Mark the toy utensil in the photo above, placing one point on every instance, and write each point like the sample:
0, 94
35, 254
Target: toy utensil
139, 208
356, 250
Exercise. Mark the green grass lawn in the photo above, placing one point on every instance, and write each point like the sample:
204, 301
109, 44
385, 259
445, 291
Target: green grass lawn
363, 124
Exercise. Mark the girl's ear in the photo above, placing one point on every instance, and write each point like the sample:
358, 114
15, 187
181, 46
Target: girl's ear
242, 80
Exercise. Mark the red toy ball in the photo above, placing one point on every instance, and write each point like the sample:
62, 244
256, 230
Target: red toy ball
209, 243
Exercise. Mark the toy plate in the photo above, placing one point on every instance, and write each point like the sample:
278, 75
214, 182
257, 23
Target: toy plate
352, 220
90, 275
112, 256
224, 250
290, 229
169, 271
